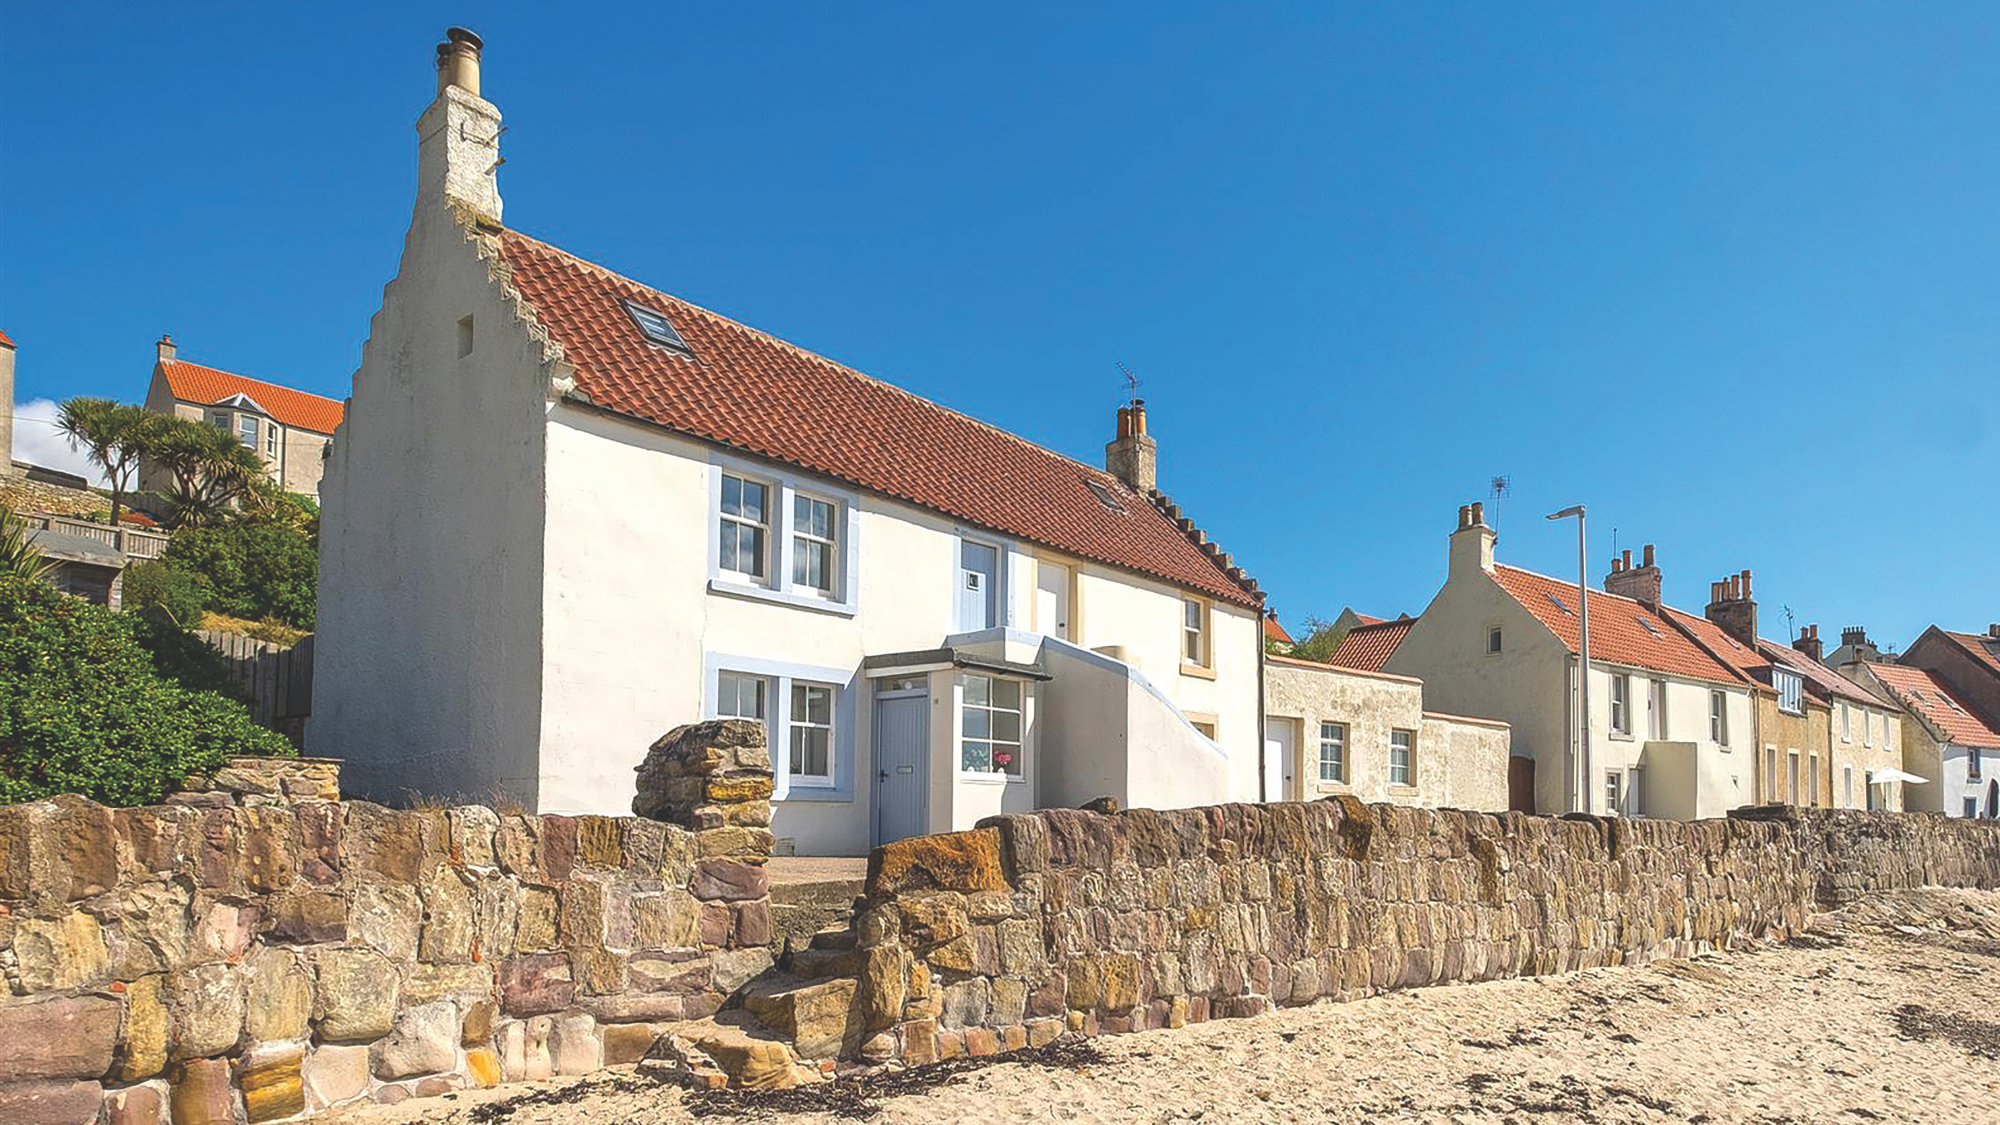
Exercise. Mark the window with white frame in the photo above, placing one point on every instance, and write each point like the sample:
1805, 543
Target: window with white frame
811, 725
246, 429
815, 542
1402, 757
1867, 728
1791, 689
1847, 786
1846, 723
1621, 703
271, 440
219, 419
1812, 778
1333, 752
745, 526
1656, 709
1194, 631
990, 726
1614, 792
738, 696
1718, 718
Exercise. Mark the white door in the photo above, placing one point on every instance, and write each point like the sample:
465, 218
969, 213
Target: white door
978, 586
1281, 753
1052, 600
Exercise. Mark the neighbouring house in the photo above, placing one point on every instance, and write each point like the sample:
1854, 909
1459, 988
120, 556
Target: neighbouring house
289, 428
1864, 728
1945, 742
1500, 641
1368, 646
568, 511
1275, 637
1333, 730
1855, 647
1969, 662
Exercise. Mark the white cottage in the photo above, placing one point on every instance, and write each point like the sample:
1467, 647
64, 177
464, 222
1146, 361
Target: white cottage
568, 511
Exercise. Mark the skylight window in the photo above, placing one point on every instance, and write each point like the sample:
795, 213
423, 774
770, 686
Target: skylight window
1103, 495
658, 328
1560, 605
1648, 626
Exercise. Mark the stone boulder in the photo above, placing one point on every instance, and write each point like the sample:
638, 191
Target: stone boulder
695, 773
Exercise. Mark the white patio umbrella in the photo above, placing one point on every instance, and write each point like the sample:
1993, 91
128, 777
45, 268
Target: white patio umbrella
1890, 773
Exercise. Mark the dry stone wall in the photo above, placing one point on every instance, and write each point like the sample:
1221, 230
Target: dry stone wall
255, 951
1066, 920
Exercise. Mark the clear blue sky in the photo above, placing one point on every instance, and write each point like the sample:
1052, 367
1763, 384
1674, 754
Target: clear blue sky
1729, 274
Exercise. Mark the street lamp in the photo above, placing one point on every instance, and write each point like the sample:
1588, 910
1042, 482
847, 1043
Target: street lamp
1580, 787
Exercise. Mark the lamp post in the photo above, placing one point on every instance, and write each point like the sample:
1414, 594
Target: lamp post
1580, 765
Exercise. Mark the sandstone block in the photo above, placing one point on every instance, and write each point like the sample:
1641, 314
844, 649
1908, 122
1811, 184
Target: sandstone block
205, 1006
752, 1062
883, 986
336, 1073
224, 930
573, 1045
919, 1042
536, 929
319, 842
819, 1018
536, 984
51, 1102
279, 999
357, 994
451, 919
438, 1084
732, 970
730, 881
56, 851
387, 917
269, 1077
665, 920
269, 839
136, 1105
424, 1041
965, 1003
468, 984
981, 1042
524, 1049
390, 844
629, 1042
600, 841
142, 1049
1043, 1032
473, 829
146, 928
669, 972
1121, 981
953, 861
308, 919
201, 1093
477, 1027
482, 1065
61, 953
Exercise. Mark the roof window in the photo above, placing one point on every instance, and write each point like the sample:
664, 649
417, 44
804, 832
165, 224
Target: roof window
1560, 605
1103, 495
1648, 626
658, 328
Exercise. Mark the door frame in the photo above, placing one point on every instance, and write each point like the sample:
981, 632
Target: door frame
879, 760
1296, 766
997, 589
1069, 598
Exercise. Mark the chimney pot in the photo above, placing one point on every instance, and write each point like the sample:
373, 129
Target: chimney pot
1649, 554
1627, 557
1746, 583
458, 60
1993, 630
166, 348
1464, 516
1478, 512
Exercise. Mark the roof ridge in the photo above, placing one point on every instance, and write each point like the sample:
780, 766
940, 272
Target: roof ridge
815, 357
246, 378
1572, 585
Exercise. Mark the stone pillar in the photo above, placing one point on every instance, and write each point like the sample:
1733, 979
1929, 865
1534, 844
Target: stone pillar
714, 778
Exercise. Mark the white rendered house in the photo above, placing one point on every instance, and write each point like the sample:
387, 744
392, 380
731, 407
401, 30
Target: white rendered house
567, 512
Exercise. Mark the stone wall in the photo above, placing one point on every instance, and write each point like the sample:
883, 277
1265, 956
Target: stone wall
257, 951
1070, 920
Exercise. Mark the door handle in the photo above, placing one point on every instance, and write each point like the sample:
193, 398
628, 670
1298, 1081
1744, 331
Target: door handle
882, 775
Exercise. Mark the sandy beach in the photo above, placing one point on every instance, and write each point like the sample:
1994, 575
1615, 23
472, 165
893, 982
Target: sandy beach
1889, 1011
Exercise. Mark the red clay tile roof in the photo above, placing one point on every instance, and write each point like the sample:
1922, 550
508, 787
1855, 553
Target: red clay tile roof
1621, 630
1983, 648
5, 339
751, 391
1824, 680
1368, 647
1364, 619
1274, 631
191, 382
1930, 697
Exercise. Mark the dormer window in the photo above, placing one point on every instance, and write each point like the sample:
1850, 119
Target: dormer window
655, 326
1790, 691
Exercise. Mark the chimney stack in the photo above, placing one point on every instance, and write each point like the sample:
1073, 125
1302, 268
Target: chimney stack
166, 348
1808, 642
7, 415
1472, 543
1133, 457
1640, 583
458, 137
1731, 607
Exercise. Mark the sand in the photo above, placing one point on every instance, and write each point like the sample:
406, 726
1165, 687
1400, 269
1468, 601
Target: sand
1889, 1011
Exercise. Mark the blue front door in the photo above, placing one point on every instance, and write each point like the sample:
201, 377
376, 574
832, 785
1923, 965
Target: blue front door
902, 745
978, 586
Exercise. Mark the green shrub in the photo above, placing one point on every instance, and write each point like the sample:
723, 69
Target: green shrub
182, 596
256, 570
83, 710
182, 657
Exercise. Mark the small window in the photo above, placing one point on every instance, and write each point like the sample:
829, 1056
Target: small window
738, 696
1614, 793
1972, 763
1649, 627
1847, 786
271, 440
812, 733
464, 336
1561, 606
1333, 752
1812, 778
1867, 728
1493, 641
815, 534
990, 726
1402, 757
1203, 727
1103, 494
1621, 703
745, 525
1656, 709
1194, 631
219, 419
657, 328
1771, 773
1846, 723
1792, 790
1790, 690
246, 430
1718, 718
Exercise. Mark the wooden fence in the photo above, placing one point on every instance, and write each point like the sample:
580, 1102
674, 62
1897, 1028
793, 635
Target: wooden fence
278, 680
136, 544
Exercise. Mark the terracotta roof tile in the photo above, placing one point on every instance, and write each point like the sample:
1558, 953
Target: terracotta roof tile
1369, 647
751, 391
191, 382
1982, 648
1931, 697
1823, 679
1274, 631
1622, 631
7, 340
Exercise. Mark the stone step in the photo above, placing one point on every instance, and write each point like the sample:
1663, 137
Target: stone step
732, 1049
819, 964
820, 1017
834, 937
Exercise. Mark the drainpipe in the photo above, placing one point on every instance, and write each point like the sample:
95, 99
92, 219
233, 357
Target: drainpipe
1263, 756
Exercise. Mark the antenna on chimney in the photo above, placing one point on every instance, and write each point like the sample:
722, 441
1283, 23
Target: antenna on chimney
1498, 488
1131, 381
1791, 630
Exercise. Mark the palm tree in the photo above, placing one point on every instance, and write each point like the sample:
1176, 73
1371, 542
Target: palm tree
114, 435
18, 555
211, 470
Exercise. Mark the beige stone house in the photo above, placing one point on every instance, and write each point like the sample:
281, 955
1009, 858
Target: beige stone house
1331, 730
1946, 741
289, 428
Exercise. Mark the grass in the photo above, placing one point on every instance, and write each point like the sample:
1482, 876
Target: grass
275, 632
